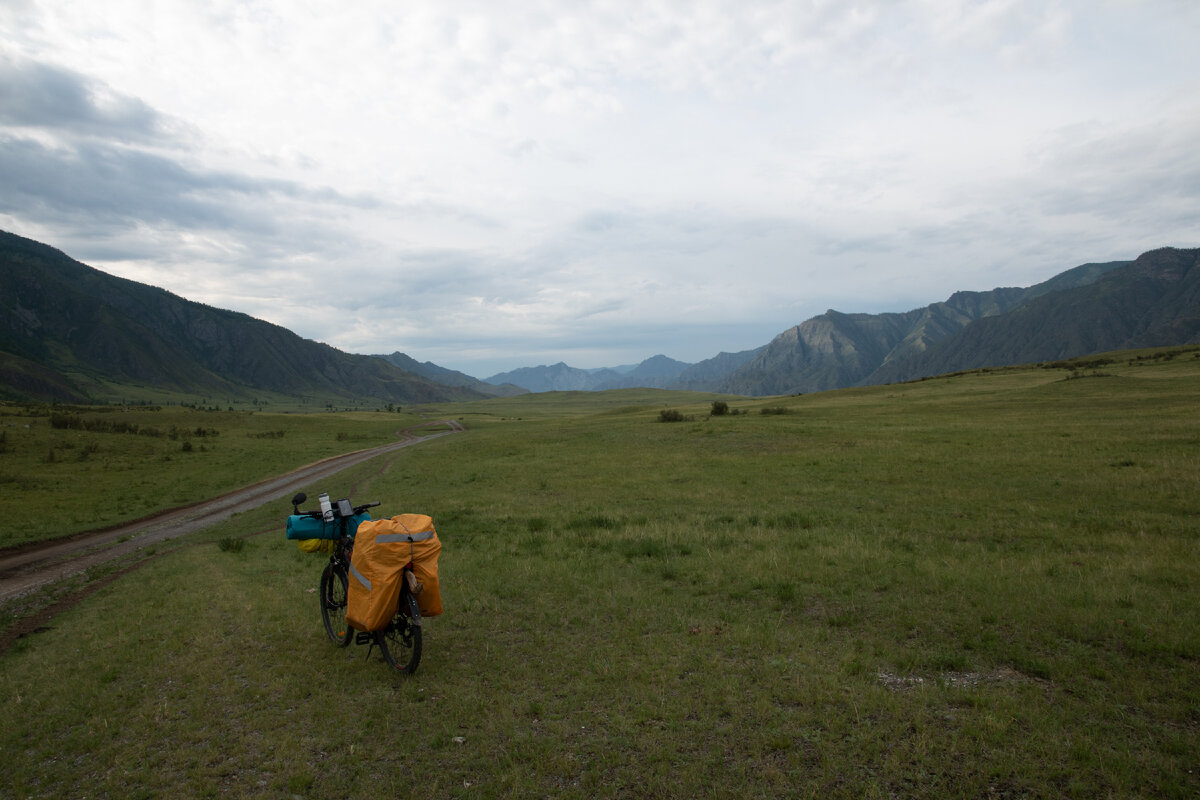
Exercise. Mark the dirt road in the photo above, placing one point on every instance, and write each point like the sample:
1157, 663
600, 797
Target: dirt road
25, 569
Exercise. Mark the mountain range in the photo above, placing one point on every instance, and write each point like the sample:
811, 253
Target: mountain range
657, 372
1151, 301
450, 377
73, 333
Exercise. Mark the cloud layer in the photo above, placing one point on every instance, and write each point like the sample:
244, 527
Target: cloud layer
490, 186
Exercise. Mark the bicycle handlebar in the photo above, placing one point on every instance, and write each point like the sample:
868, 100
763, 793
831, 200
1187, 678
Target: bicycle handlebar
338, 510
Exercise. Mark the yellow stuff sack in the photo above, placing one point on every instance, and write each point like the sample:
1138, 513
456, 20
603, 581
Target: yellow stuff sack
316, 545
382, 548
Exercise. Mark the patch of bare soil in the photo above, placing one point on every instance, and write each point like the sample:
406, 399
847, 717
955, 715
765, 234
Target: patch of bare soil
954, 680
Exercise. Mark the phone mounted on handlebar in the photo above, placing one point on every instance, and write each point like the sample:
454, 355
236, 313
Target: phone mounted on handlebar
329, 511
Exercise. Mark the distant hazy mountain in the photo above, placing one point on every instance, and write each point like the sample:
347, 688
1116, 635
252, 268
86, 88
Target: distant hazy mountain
555, 378
655, 372
449, 377
70, 332
704, 375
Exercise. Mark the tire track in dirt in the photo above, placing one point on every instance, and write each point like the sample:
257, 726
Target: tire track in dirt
28, 568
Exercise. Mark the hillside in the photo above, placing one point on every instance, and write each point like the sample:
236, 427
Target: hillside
836, 350
69, 332
1153, 301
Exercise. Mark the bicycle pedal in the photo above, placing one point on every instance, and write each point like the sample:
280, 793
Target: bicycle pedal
362, 637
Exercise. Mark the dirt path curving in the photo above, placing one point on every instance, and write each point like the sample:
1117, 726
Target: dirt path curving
29, 567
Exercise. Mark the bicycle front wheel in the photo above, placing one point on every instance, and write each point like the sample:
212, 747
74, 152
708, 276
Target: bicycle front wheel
400, 641
333, 605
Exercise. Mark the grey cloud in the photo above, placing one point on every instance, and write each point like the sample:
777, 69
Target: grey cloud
97, 181
633, 230
434, 272
598, 309
686, 237
523, 148
851, 245
100, 174
1115, 173
43, 96
599, 221
122, 186
444, 211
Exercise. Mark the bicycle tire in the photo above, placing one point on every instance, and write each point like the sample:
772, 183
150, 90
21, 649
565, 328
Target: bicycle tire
400, 641
333, 605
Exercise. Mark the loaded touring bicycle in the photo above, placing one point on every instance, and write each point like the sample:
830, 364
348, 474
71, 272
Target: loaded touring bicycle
381, 581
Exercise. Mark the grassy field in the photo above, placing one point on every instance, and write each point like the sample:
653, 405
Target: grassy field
91, 468
976, 586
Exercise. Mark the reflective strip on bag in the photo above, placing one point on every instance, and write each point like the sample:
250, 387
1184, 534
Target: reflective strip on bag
384, 538
360, 577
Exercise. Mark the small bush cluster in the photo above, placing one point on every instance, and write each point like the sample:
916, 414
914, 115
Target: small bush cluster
64, 421
673, 415
1077, 364
776, 410
177, 433
73, 422
720, 409
1097, 374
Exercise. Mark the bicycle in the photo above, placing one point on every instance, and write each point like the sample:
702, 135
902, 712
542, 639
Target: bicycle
400, 641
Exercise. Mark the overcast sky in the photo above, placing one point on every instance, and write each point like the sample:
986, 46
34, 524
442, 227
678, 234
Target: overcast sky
491, 185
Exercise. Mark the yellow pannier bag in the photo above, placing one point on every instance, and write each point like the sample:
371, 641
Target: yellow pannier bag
382, 548
316, 545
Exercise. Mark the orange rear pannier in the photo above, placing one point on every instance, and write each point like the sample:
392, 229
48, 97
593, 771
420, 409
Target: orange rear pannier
382, 548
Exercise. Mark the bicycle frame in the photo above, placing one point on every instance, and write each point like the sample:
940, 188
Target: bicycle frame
400, 640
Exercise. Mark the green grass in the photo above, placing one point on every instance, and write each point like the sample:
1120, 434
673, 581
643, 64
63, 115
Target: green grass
104, 466
979, 586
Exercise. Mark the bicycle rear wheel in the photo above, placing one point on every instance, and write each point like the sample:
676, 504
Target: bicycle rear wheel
333, 605
400, 641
